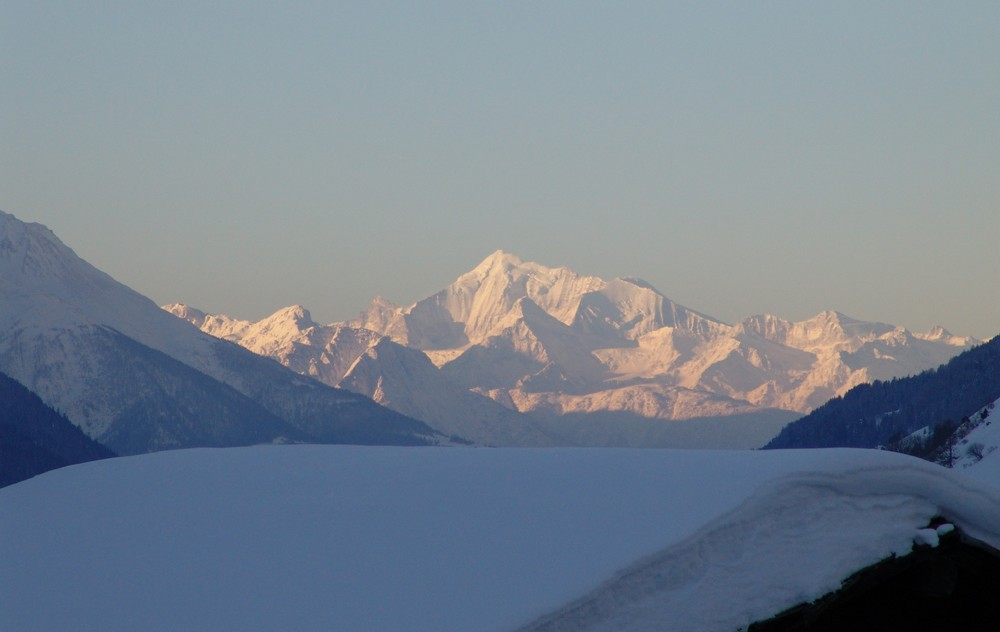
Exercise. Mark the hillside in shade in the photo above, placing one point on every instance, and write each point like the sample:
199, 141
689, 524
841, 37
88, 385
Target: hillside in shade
138, 380
877, 414
35, 439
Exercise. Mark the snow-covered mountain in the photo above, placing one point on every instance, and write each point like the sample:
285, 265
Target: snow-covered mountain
562, 338
446, 540
483, 300
559, 346
137, 379
372, 365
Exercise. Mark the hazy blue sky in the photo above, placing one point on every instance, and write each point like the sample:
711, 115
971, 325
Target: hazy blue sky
744, 157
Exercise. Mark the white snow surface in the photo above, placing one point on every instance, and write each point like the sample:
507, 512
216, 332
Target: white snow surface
435, 539
986, 438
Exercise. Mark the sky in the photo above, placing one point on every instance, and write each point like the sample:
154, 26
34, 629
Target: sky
744, 158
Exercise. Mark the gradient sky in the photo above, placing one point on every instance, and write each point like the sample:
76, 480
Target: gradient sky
743, 157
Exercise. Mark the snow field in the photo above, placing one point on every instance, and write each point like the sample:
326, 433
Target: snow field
365, 538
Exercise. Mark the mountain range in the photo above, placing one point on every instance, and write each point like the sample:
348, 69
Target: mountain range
517, 353
138, 380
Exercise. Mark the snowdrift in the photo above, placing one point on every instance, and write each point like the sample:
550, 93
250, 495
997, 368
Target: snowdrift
382, 538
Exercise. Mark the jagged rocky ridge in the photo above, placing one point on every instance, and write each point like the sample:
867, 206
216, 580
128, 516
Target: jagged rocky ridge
590, 361
365, 362
138, 380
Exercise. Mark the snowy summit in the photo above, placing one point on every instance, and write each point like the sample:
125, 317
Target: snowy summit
588, 362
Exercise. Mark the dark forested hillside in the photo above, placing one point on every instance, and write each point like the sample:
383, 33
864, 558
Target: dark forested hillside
34, 438
875, 414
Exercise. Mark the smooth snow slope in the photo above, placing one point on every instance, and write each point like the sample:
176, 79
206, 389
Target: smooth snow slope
982, 463
425, 539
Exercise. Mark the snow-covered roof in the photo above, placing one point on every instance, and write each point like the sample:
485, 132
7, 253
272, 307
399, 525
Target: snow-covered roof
370, 538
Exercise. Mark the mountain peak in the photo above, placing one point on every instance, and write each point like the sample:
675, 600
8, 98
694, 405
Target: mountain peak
938, 333
32, 251
830, 316
194, 316
46, 284
834, 320
295, 315
218, 325
766, 326
498, 259
646, 285
380, 302
11, 225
